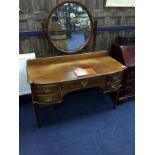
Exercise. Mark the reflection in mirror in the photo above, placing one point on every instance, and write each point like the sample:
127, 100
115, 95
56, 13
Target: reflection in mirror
69, 27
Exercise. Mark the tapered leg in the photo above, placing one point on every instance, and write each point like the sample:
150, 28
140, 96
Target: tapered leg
37, 114
116, 98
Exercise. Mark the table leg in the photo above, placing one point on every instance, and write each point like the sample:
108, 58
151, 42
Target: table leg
116, 98
37, 114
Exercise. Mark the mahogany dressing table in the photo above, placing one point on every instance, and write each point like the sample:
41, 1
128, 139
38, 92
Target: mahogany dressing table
53, 77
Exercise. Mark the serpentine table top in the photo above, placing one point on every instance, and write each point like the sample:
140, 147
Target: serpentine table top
52, 70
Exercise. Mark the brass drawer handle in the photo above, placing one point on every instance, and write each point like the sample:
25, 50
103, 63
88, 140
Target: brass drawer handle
115, 77
84, 83
113, 86
46, 89
46, 98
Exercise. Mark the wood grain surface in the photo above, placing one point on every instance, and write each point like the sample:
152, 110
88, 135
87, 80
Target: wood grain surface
61, 68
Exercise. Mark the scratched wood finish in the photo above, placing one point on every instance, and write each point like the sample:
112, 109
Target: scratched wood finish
35, 12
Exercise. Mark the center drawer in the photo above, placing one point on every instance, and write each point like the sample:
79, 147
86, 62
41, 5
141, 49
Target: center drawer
83, 84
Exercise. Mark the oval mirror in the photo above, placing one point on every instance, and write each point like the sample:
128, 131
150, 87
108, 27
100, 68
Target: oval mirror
69, 26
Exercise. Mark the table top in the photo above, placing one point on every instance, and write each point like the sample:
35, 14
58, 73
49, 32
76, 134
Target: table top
58, 69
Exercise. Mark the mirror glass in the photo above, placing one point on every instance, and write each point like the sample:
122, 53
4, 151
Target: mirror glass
69, 27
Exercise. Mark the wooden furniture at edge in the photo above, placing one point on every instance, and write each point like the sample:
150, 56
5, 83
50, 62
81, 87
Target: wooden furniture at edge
126, 55
53, 77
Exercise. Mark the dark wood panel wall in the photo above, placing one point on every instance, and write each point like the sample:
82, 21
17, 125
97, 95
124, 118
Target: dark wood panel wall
34, 13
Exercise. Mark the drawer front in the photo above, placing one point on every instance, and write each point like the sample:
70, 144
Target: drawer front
50, 98
83, 84
114, 81
116, 77
44, 88
113, 86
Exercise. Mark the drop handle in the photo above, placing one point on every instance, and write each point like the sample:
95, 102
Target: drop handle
84, 83
115, 77
113, 86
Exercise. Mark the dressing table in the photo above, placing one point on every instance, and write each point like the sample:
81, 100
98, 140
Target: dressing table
53, 77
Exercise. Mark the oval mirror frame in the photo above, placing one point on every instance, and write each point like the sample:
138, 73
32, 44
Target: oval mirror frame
46, 29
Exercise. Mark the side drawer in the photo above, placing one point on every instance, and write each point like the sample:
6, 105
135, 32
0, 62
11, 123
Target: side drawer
44, 88
112, 86
50, 98
114, 81
116, 77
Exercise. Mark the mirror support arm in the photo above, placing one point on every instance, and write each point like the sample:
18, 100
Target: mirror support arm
94, 35
44, 38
